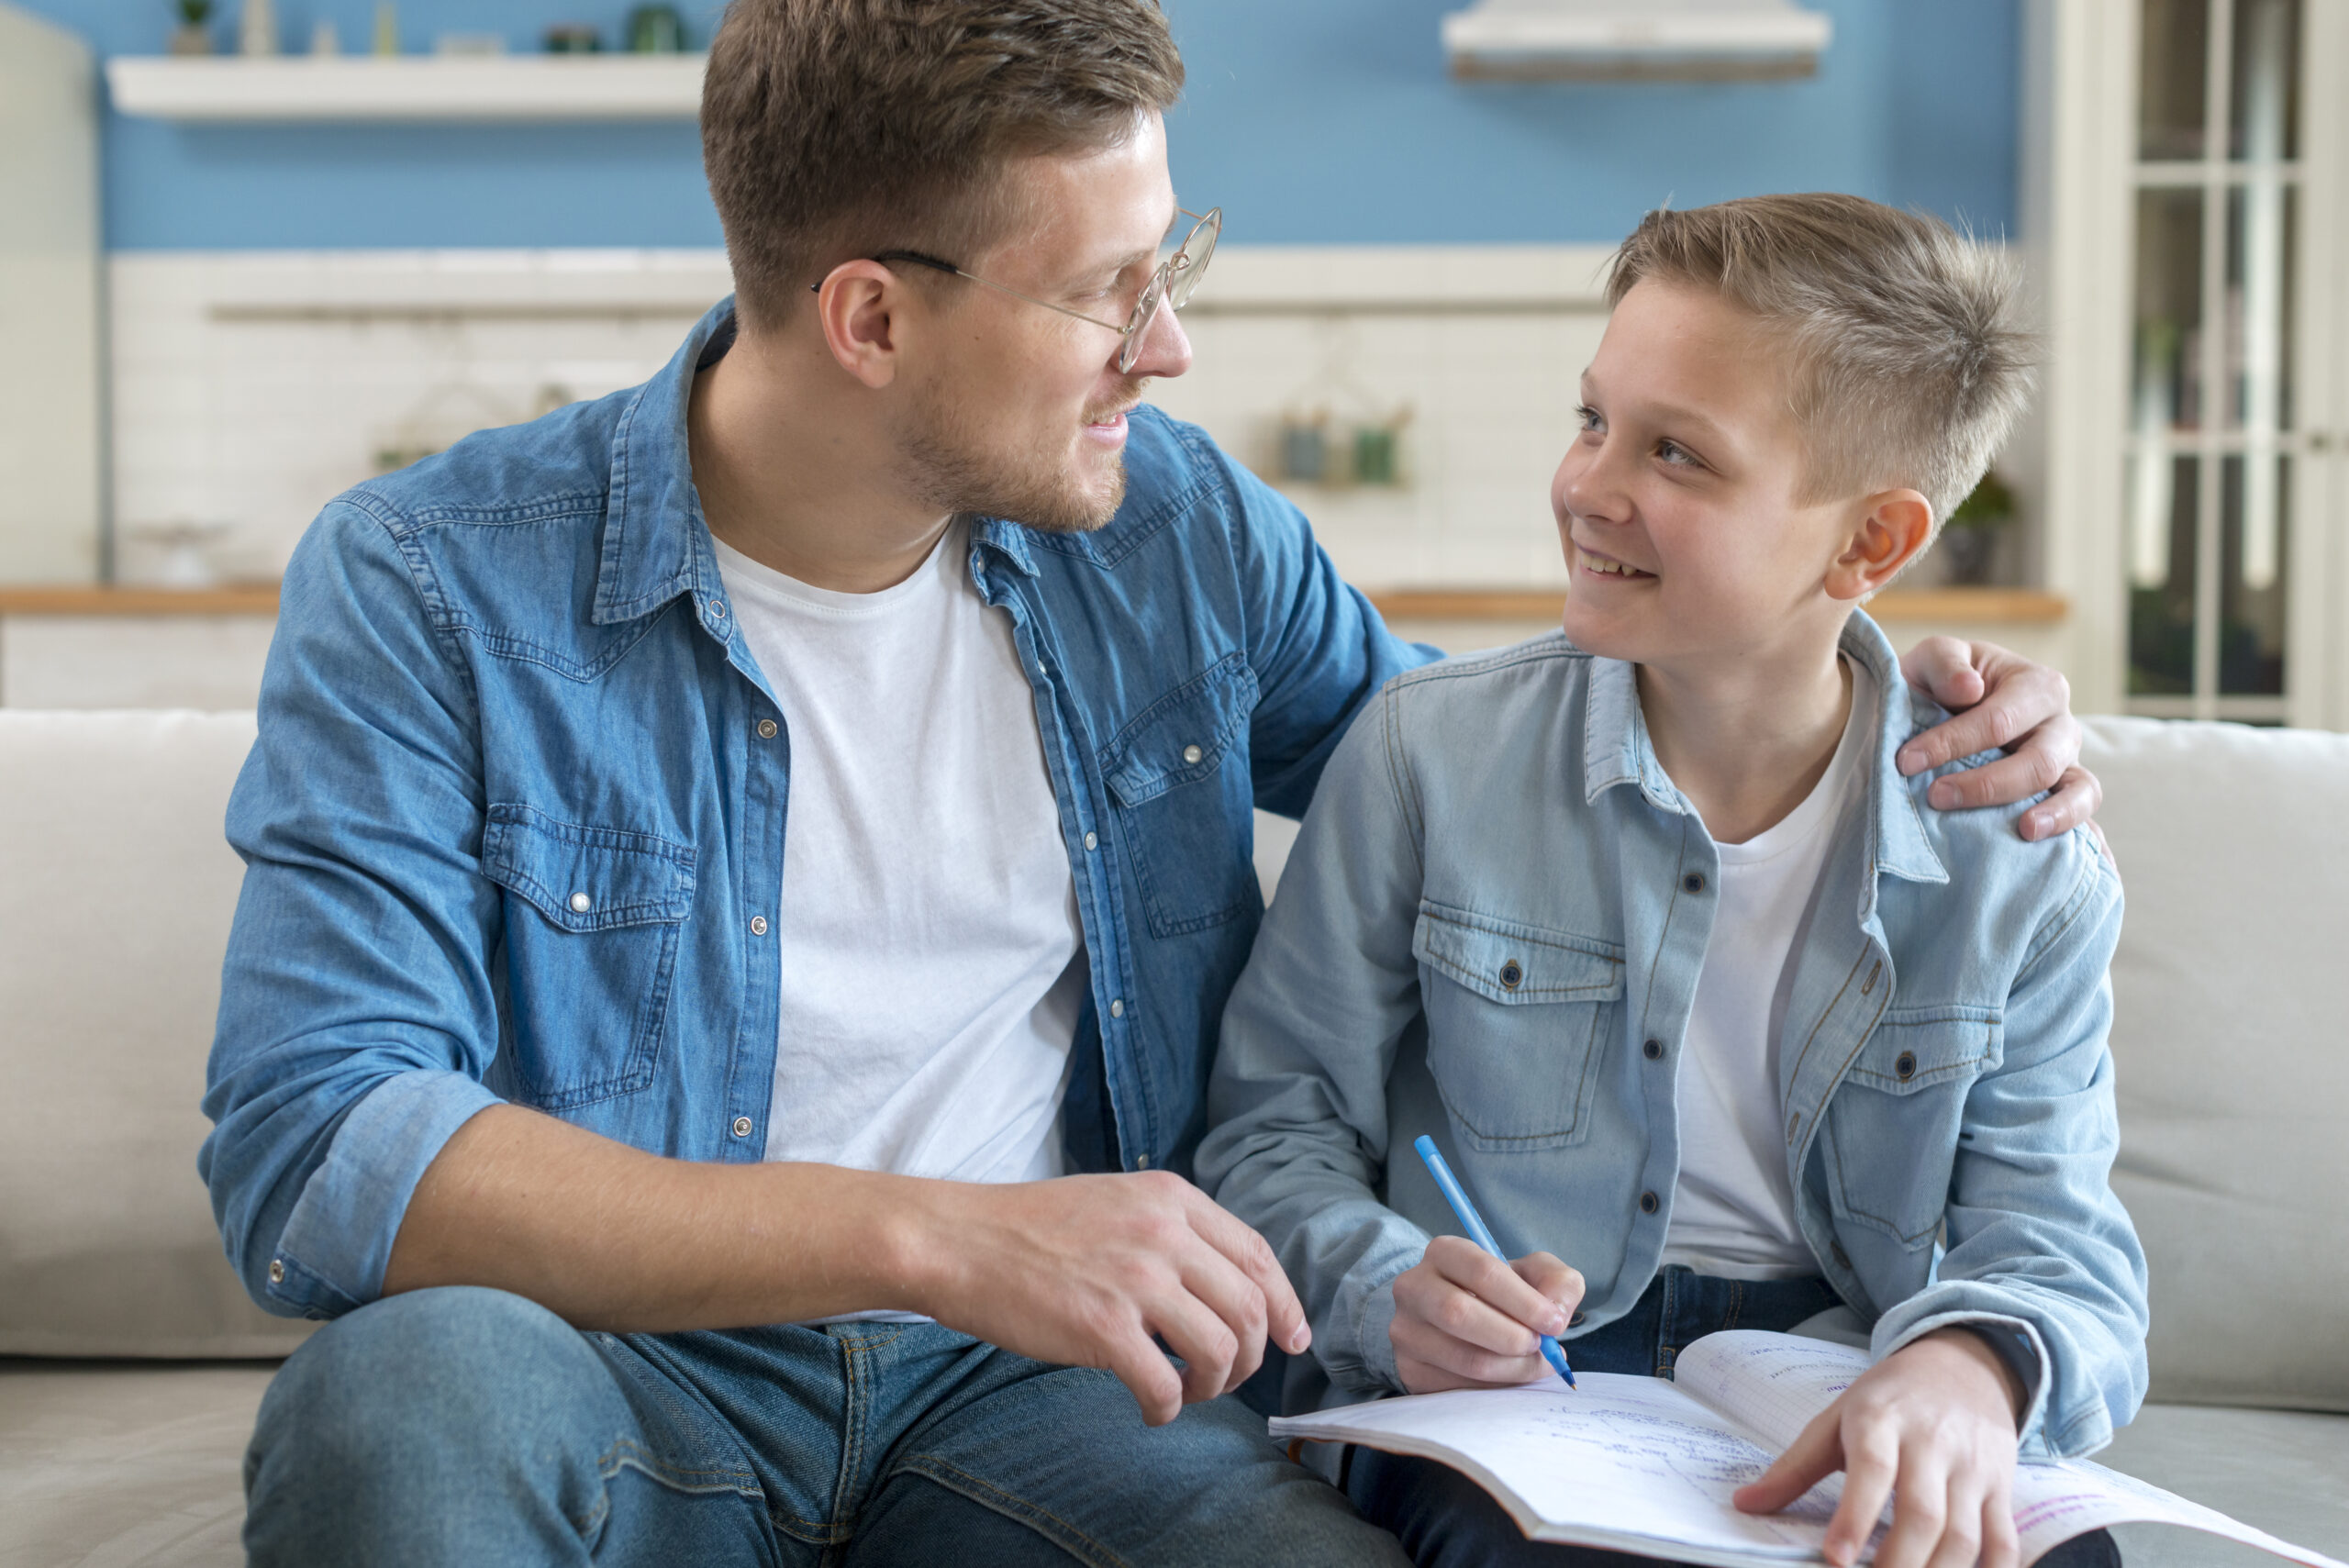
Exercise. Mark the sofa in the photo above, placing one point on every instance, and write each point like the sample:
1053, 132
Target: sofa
131, 1361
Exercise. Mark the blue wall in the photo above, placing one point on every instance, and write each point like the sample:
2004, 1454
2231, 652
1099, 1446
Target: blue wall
1310, 121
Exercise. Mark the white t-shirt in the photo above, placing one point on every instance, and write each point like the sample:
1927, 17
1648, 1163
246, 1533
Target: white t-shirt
1734, 1210
932, 966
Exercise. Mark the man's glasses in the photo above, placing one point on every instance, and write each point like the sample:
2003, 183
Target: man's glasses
1170, 285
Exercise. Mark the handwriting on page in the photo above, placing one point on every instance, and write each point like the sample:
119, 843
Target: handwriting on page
1772, 1385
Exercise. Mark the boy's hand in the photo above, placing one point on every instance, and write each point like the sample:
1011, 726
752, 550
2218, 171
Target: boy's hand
2002, 701
1465, 1320
1935, 1424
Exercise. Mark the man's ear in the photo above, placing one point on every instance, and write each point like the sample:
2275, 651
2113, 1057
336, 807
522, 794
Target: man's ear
1892, 527
859, 309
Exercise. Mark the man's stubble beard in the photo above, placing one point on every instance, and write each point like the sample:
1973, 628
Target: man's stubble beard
950, 465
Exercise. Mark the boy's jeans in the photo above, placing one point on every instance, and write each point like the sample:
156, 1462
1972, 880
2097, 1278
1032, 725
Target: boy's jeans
1446, 1520
468, 1426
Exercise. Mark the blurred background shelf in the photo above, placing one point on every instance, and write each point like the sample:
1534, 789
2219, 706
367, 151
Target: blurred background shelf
408, 88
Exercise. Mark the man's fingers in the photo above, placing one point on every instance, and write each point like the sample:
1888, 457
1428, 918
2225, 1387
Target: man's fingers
1815, 1454
1236, 1239
1494, 1282
1945, 667
1204, 1340
1233, 1298
1149, 1376
2077, 795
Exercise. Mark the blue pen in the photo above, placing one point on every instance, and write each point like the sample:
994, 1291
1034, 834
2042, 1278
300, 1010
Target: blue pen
1474, 1223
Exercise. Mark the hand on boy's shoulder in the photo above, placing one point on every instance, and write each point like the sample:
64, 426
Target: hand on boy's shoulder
2016, 718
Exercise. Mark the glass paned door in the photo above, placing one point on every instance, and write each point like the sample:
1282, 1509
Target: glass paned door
2211, 438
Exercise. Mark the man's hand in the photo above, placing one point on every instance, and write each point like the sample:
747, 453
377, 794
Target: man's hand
1084, 1270
1934, 1423
1465, 1320
2002, 702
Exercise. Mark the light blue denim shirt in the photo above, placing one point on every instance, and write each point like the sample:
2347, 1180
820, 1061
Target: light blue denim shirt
1499, 900
514, 825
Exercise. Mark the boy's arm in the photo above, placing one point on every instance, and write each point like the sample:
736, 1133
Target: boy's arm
1297, 1105
2039, 1249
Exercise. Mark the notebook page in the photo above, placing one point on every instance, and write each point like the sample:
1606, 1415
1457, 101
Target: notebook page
1772, 1385
1627, 1462
2054, 1502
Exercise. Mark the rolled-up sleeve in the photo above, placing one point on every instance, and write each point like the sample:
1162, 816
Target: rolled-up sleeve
357, 1013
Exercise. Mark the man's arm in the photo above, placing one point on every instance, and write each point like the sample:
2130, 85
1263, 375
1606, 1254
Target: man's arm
2001, 702
356, 1149
1081, 1271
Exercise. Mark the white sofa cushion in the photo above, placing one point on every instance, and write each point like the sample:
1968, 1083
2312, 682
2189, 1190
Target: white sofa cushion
115, 893
2230, 1040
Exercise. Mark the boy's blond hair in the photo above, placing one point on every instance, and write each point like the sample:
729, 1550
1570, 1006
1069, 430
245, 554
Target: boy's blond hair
1912, 365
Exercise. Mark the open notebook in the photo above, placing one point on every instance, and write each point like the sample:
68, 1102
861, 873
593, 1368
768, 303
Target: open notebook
1643, 1465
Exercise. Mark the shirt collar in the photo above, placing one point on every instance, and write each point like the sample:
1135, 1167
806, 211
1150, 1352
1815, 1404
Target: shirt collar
1617, 750
656, 542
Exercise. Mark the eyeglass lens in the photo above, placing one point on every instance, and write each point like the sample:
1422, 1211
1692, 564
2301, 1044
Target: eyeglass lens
1171, 284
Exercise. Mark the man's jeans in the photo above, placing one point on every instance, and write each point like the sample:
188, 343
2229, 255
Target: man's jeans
468, 1426
1446, 1520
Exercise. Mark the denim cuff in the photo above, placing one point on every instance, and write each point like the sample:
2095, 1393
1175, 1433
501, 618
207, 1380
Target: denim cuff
338, 1242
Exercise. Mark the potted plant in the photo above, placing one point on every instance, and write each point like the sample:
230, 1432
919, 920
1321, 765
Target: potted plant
194, 35
1970, 539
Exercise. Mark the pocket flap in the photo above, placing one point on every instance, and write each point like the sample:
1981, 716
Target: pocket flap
1923, 1047
1184, 735
1504, 962
586, 879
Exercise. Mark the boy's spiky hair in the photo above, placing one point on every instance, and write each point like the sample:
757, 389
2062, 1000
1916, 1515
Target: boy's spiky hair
1910, 362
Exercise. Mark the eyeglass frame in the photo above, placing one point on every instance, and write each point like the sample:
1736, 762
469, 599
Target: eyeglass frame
1159, 291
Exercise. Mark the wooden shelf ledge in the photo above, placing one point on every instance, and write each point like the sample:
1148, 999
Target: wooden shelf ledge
1986, 606
408, 88
79, 599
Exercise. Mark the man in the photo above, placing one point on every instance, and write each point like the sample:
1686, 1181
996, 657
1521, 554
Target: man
719, 854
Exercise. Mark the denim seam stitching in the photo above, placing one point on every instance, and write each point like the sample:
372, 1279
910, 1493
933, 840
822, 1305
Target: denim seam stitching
988, 1494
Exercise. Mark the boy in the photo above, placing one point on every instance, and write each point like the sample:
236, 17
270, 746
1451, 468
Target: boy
1535, 881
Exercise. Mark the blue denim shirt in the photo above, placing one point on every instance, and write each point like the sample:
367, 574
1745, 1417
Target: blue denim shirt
1498, 910
514, 825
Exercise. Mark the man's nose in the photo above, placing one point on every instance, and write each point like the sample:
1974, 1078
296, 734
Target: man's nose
1166, 347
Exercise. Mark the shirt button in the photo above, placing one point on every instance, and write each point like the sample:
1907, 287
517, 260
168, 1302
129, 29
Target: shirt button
1511, 975
1653, 1051
741, 1127
1141, 1162
1905, 1068
1192, 753
1091, 843
1118, 1007
1575, 1321
1694, 881
1650, 1202
758, 925
276, 1271
717, 610
580, 904
766, 729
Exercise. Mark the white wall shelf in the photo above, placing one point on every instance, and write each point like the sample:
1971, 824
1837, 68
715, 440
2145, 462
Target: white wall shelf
408, 88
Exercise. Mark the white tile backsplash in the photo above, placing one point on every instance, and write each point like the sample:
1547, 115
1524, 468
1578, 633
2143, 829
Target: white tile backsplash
251, 387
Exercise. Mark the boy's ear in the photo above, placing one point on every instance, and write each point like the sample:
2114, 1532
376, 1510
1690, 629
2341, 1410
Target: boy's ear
1894, 526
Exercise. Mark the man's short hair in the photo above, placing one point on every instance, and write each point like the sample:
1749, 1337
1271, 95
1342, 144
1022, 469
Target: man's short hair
1910, 362
832, 128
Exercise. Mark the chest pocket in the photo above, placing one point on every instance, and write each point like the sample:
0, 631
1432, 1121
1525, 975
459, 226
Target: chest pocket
592, 917
1179, 774
1894, 1122
1518, 1019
